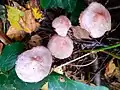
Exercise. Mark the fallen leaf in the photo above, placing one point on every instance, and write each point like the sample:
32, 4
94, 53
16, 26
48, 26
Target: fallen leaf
110, 69
13, 33
58, 70
34, 6
80, 33
1, 47
34, 41
14, 15
117, 73
45, 86
36, 13
28, 22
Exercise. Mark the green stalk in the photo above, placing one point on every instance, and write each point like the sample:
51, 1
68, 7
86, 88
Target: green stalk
106, 48
103, 50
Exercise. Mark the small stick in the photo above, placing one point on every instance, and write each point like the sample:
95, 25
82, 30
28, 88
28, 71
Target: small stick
116, 7
74, 60
4, 38
106, 2
86, 64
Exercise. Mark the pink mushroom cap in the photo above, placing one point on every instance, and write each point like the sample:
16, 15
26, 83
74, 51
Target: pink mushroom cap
60, 47
34, 65
61, 25
95, 19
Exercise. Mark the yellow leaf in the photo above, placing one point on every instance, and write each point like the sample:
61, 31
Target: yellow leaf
110, 69
14, 15
36, 13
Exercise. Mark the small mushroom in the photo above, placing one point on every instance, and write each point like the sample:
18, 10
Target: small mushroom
95, 19
61, 25
60, 47
34, 65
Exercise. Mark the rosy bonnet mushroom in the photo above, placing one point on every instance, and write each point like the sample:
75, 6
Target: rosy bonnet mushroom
61, 25
95, 19
34, 65
60, 47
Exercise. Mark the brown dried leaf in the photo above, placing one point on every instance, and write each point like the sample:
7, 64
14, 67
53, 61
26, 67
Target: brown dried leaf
15, 34
28, 22
80, 33
1, 47
34, 41
110, 69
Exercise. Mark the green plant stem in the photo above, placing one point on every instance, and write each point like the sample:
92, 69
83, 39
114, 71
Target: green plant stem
113, 55
102, 49
106, 48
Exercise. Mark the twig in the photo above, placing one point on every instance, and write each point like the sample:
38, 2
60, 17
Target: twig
74, 60
116, 7
106, 2
86, 64
93, 51
111, 54
102, 49
4, 38
97, 73
115, 27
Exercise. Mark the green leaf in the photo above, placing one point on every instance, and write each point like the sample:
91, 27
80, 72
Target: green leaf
20, 85
68, 5
9, 55
2, 12
3, 16
3, 83
76, 13
3, 78
72, 7
12, 82
45, 3
60, 82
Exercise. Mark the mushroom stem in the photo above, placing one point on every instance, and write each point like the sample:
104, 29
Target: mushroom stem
4, 38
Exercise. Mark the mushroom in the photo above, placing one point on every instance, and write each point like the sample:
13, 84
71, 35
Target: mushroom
61, 25
95, 19
34, 65
60, 47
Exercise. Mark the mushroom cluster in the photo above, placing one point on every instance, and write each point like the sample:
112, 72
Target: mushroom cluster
95, 19
34, 65
61, 46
